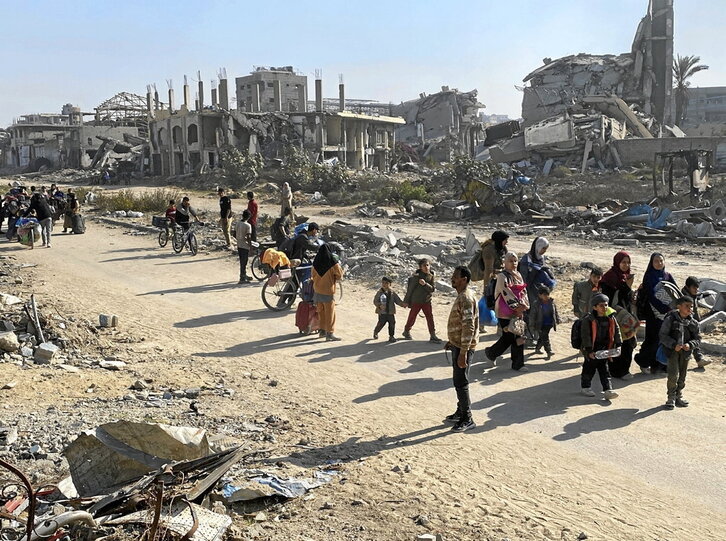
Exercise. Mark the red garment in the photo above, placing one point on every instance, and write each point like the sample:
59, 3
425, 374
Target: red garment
415, 309
252, 207
614, 277
171, 213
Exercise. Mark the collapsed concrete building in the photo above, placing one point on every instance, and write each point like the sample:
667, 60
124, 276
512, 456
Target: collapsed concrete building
190, 138
440, 125
49, 140
596, 111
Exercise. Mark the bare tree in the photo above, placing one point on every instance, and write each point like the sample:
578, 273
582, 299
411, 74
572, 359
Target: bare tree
684, 68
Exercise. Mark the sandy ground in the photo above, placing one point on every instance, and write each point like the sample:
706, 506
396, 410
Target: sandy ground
543, 463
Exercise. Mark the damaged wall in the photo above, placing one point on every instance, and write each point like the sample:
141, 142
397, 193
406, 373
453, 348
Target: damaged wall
441, 125
642, 77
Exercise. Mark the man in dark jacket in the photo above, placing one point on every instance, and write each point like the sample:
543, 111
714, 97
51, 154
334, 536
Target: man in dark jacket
304, 243
418, 298
679, 336
44, 214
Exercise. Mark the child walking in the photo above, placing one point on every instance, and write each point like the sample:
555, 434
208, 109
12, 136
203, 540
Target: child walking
600, 334
692, 290
679, 336
543, 318
418, 297
385, 301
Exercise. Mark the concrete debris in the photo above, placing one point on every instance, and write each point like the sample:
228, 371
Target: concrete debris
45, 353
9, 341
439, 126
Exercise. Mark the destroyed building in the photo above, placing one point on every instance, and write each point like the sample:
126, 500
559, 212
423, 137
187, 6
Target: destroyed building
69, 140
599, 111
442, 125
266, 87
190, 138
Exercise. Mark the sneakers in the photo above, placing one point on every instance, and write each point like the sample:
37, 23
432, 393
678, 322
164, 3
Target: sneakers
330, 337
392, 339
407, 335
463, 424
681, 402
587, 391
670, 404
453, 418
627, 376
375, 336
609, 395
435, 339
644, 370
703, 363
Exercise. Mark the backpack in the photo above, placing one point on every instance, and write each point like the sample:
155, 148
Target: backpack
476, 267
576, 334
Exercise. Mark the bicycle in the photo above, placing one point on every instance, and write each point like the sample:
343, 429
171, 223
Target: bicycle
284, 285
182, 238
261, 270
164, 224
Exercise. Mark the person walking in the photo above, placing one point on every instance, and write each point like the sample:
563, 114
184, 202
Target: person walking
243, 235
511, 303
617, 285
691, 290
462, 331
385, 301
326, 273
534, 270
600, 336
72, 209
679, 337
493, 251
43, 213
583, 292
654, 310
419, 291
543, 318
225, 215
253, 209
287, 201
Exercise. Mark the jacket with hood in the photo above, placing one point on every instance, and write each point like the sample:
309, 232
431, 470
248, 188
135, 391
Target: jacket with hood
582, 293
607, 332
390, 298
677, 330
417, 293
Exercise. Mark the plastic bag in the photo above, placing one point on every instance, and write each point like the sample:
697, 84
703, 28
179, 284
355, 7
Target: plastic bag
487, 317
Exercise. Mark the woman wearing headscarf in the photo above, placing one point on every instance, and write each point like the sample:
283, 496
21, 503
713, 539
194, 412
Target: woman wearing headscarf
493, 251
326, 272
286, 201
533, 268
655, 311
617, 284
509, 284
73, 208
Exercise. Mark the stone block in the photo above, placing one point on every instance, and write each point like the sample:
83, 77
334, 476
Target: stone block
707, 324
9, 341
45, 352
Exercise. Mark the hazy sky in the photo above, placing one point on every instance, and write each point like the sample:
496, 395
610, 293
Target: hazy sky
84, 52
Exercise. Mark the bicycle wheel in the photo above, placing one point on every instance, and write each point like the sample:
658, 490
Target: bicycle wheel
177, 241
280, 296
163, 237
193, 243
259, 270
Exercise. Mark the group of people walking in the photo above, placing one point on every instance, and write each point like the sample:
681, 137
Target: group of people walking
46, 206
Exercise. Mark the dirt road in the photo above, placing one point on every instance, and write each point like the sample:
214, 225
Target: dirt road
544, 462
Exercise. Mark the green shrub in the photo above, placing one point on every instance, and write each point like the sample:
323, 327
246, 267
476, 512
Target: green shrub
241, 169
151, 201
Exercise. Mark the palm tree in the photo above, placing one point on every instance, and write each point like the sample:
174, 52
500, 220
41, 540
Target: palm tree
684, 68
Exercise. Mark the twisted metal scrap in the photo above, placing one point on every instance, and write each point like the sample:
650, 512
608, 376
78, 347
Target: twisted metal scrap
31, 496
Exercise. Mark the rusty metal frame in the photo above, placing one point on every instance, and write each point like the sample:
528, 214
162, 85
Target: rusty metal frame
29, 525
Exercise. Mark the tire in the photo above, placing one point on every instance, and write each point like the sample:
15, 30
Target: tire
259, 270
193, 243
278, 297
177, 241
163, 237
